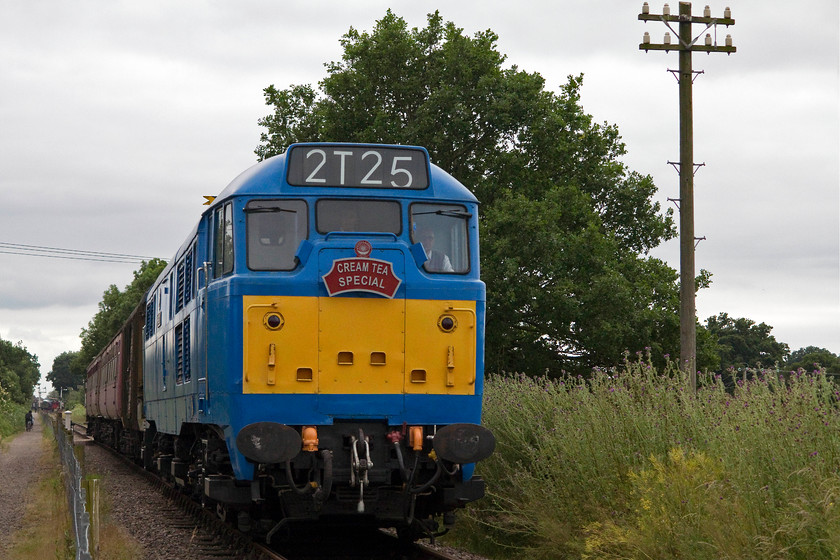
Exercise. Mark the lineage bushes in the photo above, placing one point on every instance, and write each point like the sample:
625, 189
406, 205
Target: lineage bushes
633, 464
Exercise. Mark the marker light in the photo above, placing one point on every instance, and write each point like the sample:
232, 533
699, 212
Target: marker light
310, 438
415, 438
273, 321
447, 323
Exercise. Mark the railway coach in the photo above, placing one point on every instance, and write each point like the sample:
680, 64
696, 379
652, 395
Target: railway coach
314, 351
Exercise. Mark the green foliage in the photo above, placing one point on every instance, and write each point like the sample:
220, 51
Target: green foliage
19, 372
79, 413
11, 414
671, 499
743, 344
812, 357
72, 397
631, 464
114, 309
62, 375
566, 227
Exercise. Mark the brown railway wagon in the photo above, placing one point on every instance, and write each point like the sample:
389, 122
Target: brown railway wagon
114, 384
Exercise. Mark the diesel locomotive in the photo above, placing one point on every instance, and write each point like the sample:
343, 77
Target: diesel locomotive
314, 351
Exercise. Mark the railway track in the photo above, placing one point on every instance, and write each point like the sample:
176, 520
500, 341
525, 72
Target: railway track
172, 525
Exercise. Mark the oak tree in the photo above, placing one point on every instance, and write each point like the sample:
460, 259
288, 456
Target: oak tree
566, 226
62, 375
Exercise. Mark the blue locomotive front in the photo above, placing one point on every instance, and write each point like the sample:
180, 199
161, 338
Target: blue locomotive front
315, 349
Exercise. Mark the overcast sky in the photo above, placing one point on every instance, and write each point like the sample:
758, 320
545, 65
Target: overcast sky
117, 116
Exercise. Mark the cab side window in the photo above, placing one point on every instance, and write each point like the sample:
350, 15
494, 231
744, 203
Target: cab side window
275, 229
443, 231
223, 241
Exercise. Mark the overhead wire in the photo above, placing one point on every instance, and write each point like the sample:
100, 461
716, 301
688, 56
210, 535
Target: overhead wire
71, 254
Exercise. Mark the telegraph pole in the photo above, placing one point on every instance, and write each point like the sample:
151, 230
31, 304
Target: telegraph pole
685, 76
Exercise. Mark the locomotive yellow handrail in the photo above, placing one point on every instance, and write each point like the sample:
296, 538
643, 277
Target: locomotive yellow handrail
465, 310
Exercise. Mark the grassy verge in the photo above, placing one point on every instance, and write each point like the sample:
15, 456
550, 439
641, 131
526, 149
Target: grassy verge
114, 542
46, 529
633, 465
111, 541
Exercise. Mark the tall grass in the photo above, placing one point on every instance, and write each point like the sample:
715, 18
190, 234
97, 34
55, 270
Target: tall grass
632, 464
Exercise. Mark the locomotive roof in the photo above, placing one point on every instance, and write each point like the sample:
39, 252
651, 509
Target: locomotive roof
269, 178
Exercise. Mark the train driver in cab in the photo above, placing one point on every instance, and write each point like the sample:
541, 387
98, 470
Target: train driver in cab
437, 260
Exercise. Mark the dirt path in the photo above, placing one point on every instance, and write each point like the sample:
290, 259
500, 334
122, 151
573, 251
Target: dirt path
20, 467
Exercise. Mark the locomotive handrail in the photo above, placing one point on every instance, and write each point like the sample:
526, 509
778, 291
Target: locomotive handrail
464, 310
205, 266
202, 268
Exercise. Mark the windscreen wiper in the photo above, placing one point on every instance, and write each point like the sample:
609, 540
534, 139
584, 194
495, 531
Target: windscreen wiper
265, 209
448, 213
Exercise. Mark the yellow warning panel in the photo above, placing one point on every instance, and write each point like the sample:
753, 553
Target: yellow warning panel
280, 352
361, 345
440, 341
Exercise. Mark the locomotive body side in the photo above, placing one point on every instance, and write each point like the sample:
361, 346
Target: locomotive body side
172, 355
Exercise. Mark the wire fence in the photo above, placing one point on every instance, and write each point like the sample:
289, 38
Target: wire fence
76, 493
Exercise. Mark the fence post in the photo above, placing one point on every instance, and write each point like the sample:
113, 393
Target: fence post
93, 506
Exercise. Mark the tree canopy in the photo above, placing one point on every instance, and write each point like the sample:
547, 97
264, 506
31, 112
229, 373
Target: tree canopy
744, 344
62, 375
19, 372
566, 226
811, 357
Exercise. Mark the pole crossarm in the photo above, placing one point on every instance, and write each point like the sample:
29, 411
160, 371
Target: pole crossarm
689, 19
693, 48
